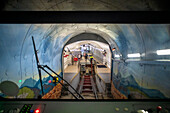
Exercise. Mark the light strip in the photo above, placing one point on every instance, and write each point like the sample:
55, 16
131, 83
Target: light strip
134, 55
117, 56
163, 52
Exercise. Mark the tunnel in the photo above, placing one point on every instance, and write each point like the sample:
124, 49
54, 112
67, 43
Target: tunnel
139, 57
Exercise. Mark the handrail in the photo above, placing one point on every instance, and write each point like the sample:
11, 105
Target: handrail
45, 66
95, 69
75, 75
94, 89
59, 82
81, 84
62, 79
101, 79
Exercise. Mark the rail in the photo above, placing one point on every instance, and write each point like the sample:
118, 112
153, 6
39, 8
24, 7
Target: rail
94, 88
45, 66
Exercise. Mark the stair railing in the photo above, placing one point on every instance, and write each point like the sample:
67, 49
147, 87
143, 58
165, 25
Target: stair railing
43, 68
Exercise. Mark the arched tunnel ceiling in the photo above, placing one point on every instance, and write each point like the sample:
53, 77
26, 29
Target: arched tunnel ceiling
87, 36
127, 38
17, 55
96, 44
82, 5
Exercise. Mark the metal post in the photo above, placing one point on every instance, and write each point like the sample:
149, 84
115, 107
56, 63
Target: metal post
37, 61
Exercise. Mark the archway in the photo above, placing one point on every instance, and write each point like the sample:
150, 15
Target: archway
92, 39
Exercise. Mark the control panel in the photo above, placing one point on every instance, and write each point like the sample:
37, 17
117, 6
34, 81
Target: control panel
15, 107
71, 106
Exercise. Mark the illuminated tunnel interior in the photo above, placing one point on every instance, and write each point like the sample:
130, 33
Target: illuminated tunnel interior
135, 55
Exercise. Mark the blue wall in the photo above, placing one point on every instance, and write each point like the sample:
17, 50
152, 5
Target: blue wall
18, 62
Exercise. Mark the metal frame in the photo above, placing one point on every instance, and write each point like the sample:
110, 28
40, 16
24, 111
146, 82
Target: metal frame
43, 68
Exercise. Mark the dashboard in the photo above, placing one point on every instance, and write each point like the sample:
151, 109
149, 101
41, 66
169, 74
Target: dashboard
48, 106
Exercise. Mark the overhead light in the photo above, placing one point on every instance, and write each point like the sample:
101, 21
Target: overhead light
117, 56
163, 52
134, 55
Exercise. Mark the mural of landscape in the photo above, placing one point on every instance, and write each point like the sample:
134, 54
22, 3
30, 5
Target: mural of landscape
134, 80
125, 82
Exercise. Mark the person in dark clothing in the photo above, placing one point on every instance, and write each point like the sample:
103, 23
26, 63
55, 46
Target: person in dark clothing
86, 56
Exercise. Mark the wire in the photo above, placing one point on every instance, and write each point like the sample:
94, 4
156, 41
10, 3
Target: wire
22, 50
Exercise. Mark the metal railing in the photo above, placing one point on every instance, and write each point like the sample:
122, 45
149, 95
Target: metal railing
43, 68
94, 88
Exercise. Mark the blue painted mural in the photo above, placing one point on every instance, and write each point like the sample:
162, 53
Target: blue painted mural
130, 78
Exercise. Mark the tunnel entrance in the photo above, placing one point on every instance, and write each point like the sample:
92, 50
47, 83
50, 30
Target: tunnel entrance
86, 64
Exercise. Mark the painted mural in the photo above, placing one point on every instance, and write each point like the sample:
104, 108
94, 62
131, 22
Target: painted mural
17, 60
126, 83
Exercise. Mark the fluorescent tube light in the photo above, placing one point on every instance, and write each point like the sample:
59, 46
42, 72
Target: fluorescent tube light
134, 55
163, 52
117, 56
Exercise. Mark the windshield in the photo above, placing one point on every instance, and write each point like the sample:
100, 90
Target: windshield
84, 61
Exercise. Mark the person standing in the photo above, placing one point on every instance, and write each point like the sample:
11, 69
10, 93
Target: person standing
79, 56
91, 58
86, 57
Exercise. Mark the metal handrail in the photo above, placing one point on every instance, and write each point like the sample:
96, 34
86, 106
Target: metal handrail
45, 66
81, 84
94, 89
58, 81
62, 79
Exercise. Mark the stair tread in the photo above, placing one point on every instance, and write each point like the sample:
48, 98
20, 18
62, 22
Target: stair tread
87, 85
86, 89
87, 82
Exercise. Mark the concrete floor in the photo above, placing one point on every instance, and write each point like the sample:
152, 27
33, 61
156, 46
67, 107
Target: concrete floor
70, 71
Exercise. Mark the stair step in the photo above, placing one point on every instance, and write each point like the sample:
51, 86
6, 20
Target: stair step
87, 91
86, 78
88, 94
87, 86
85, 83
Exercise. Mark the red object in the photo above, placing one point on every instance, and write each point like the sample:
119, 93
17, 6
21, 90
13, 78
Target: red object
113, 49
66, 55
159, 108
75, 59
37, 111
49, 81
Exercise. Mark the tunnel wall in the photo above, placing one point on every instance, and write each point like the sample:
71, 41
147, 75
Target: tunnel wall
130, 78
137, 79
